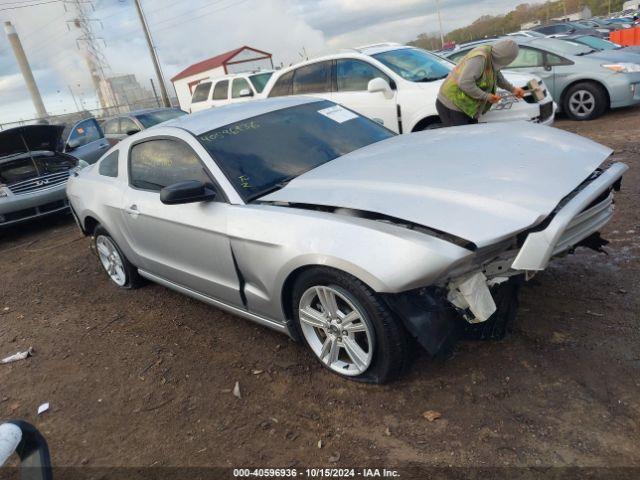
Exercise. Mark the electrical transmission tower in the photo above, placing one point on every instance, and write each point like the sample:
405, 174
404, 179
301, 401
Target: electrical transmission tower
91, 47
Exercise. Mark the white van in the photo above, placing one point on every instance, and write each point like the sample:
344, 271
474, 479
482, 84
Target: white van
232, 88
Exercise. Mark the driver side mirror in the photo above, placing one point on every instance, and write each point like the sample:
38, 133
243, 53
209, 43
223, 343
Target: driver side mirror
245, 92
191, 191
380, 85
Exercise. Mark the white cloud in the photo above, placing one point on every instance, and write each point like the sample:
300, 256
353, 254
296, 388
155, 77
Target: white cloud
187, 32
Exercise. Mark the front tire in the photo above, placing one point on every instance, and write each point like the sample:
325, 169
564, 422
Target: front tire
585, 101
115, 264
348, 327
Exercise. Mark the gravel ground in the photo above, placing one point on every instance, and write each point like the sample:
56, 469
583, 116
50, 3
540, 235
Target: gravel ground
144, 378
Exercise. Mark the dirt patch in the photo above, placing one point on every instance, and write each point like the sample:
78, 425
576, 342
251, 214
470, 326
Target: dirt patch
145, 377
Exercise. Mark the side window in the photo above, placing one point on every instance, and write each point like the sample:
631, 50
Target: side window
554, 60
456, 57
314, 78
528, 57
221, 92
84, 133
238, 85
354, 75
111, 126
155, 164
283, 85
127, 125
201, 93
109, 165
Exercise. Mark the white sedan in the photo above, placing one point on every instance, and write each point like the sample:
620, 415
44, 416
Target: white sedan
397, 86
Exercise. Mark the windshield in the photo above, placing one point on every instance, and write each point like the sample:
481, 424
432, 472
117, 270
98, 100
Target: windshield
261, 154
595, 42
561, 47
415, 65
259, 80
150, 119
579, 26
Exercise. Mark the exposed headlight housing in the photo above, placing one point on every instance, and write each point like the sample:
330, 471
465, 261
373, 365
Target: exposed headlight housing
622, 67
4, 191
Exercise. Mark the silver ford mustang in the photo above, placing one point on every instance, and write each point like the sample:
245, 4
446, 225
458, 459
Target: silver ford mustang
305, 217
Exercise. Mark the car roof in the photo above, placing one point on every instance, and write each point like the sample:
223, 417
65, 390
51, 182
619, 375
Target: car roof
212, 118
360, 52
234, 75
142, 111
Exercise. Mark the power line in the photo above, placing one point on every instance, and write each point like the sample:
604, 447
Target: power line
30, 5
203, 15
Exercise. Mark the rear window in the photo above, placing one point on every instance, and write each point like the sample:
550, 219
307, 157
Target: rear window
259, 153
283, 85
149, 119
109, 165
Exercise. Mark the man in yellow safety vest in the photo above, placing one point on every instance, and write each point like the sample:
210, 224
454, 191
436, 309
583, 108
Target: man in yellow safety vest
470, 89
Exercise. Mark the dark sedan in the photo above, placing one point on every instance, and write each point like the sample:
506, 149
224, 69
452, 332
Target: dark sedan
121, 126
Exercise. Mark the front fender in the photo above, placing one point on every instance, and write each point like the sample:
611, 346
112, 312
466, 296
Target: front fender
281, 240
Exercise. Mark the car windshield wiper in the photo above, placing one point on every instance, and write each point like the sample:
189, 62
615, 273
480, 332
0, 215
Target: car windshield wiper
586, 53
272, 188
430, 79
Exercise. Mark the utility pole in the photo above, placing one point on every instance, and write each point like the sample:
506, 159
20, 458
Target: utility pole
154, 55
155, 94
74, 98
25, 68
91, 47
440, 22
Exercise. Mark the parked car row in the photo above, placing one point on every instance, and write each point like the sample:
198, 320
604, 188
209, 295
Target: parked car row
36, 160
393, 84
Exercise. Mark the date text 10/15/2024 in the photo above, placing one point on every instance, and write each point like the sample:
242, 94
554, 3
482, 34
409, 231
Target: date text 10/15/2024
315, 473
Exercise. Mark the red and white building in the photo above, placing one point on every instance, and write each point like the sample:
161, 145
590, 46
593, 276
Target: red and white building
243, 59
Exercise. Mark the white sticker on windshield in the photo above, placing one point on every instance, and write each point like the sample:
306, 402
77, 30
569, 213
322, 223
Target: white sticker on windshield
338, 114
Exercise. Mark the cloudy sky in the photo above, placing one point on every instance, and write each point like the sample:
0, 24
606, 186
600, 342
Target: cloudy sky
187, 31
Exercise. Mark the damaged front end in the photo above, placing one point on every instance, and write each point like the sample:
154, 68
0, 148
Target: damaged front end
479, 300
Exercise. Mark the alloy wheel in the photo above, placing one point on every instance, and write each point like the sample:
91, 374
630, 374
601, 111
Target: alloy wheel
111, 260
582, 103
336, 329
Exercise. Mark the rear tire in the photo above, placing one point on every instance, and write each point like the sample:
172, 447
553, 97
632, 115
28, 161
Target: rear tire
348, 327
585, 101
119, 269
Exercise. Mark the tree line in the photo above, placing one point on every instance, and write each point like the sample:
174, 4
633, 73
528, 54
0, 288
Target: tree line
489, 26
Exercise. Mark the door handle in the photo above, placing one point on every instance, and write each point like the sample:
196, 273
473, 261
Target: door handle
104, 145
132, 210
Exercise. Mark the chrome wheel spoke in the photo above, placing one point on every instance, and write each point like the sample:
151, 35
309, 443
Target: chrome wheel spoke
326, 348
312, 317
357, 355
103, 250
328, 301
349, 323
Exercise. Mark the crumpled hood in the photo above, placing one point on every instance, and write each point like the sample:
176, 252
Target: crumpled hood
31, 138
483, 183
